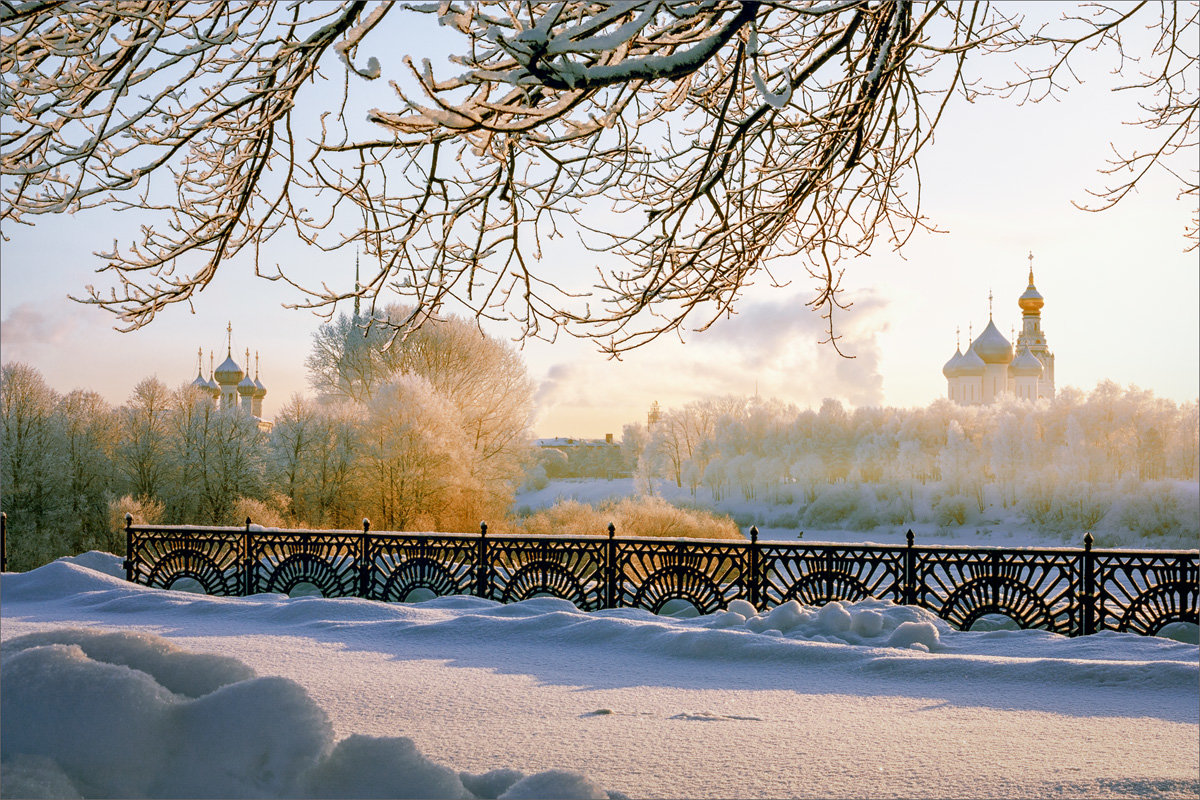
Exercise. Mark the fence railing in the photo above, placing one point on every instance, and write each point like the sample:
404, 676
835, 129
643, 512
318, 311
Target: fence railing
1071, 591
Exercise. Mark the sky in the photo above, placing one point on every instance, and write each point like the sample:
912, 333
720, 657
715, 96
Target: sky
1122, 297
117, 690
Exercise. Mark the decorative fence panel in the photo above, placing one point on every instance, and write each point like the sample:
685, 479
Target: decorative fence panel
1068, 591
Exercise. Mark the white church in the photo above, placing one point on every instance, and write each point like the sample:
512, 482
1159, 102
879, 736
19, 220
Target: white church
230, 386
991, 368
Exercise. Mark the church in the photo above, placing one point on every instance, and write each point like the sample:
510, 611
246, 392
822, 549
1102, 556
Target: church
229, 385
991, 368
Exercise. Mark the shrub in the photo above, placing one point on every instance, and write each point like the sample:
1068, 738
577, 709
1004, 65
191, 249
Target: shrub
834, 504
641, 516
269, 514
145, 511
954, 509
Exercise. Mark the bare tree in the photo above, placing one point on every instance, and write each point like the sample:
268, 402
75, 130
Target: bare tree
30, 460
1163, 80
89, 432
693, 140
145, 426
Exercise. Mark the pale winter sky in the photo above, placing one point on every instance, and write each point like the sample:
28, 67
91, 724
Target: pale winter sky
1122, 296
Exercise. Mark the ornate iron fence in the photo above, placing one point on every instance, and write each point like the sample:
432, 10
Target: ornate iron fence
1070, 591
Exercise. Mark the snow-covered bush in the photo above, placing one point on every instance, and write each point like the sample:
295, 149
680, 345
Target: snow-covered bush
632, 516
834, 503
535, 478
269, 514
1158, 510
954, 509
145, 511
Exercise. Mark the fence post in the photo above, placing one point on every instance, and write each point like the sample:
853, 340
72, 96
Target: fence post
247, 570
128, 547
364, 560
1087, 601
3, 541
610, 568
481, 566
910, 571
755, 578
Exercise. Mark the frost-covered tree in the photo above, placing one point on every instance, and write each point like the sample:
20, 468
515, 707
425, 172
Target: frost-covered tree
142, 454
89, 431
418, 471
30, 457
696, 140
484, 378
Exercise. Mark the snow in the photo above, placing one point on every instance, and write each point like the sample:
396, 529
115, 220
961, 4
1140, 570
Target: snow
113, 689
998, 527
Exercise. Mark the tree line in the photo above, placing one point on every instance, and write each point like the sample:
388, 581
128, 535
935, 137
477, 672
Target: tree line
434, 435
1112, 458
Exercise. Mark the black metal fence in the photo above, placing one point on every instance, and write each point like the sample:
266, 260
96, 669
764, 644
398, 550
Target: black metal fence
1070, 591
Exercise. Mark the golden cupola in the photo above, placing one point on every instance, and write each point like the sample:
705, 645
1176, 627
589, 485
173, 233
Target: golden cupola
1031, 301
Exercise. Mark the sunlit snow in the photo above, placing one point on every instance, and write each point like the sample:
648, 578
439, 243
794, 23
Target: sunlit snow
112, 689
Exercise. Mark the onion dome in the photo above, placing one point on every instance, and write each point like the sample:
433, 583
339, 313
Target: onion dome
1031, 302
260, 391
1025, 364
246, 387
992, 347
971, 365
200, 383
951, 370
228, 372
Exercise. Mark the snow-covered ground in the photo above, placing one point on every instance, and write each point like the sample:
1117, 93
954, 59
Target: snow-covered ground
460, 697
997, 527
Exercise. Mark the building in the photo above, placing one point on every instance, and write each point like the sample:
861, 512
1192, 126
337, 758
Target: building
584, 458
229, 386
992, 368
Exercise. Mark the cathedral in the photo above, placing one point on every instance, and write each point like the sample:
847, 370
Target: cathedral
229, 385
991, 368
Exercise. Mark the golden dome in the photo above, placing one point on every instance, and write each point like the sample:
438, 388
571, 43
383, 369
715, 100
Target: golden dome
1031, 302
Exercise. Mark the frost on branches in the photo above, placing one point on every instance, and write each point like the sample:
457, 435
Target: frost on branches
694, 141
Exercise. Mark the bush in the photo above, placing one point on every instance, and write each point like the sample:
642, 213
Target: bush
145, 511
535, 478
954, 509
269, 514
834, 504
641, 516
1158, 511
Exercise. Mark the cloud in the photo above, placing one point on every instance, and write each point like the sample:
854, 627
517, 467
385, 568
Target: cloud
775, 347
28, 324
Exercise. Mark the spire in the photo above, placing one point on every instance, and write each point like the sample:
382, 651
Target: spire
958, 337
1031, 268
229, 342
247, 360
210, 364
357, 285
255, 365
989, 305
199, 360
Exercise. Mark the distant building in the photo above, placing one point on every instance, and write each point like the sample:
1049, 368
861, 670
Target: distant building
991, 369
584, 458
231, 387
653, 415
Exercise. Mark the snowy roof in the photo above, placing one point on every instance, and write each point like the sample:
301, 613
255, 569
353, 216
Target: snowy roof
992, 347
229, 371
563, 441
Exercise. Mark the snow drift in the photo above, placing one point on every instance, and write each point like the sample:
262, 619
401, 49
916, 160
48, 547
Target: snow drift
91, 714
